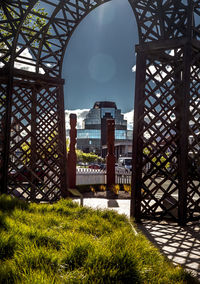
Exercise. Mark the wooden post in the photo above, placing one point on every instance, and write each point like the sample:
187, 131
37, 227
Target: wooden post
137, 154
110, 158
7, 133
183, 137
62, 141
72, 153
33, 146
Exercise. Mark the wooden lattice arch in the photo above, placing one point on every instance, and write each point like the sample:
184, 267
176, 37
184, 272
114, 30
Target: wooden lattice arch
166, 163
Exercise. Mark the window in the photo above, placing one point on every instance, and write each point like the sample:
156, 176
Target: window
120, 134
89, 134
108, 110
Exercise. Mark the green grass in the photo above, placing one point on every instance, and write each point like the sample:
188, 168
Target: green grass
66, 243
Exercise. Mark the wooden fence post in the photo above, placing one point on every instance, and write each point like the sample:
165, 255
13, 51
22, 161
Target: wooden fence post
110, 158
72, 153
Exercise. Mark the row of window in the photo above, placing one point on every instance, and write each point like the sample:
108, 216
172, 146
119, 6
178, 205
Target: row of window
88, 134
96, 134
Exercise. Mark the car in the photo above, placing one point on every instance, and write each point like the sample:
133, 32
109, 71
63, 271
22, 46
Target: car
94, 166
24, 174
103, 167
125, 164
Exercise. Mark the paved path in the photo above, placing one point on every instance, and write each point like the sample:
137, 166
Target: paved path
179, 244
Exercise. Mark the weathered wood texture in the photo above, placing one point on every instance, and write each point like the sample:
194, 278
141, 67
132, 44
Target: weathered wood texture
166, 127
167, 103
72, 159
37, 151
110, 158
32, 135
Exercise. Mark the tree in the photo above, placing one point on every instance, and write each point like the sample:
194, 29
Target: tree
87, 157
158, 161
48, 148
36, 20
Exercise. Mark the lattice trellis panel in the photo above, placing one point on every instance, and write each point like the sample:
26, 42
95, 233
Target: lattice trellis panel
196, 24
159, 138
20, 140
35, 154
12, 14
167, 181
3, 103
40, 46
193, 189
166, 127
166, 142
161, 20
33, 38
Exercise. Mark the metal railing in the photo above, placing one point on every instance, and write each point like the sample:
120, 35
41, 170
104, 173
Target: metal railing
92, 176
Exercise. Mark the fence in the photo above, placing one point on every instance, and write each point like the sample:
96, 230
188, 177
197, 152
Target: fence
91, 176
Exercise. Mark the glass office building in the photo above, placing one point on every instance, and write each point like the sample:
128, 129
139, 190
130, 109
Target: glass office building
94, 136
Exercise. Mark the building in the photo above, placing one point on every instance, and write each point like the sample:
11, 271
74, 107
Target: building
121, 148
94, 135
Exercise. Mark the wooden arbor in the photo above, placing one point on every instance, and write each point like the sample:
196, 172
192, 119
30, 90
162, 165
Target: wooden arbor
33, 38
166, 127
166, 148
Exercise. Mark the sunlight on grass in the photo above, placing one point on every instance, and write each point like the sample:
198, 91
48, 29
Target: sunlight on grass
66, 243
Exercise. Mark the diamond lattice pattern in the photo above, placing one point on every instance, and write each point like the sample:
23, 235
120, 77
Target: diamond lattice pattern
159, 135
35, 152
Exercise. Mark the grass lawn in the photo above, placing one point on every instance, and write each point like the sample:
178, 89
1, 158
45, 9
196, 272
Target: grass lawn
66, 243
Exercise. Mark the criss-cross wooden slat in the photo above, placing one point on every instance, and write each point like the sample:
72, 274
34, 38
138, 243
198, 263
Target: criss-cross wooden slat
166, 145
166, 172
35, 128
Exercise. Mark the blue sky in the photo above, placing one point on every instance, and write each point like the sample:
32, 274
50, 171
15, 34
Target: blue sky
99, 58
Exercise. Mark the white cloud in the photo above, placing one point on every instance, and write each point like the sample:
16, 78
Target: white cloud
129, 117
1, 63
81, 115
134, 68
152, 70
28, 63
161, 74
27, 59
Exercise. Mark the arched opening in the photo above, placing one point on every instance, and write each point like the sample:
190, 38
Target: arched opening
99, 56
36, 107
98, 67
166, 132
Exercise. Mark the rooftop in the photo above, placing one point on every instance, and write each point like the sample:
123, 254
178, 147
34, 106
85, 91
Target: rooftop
105, 104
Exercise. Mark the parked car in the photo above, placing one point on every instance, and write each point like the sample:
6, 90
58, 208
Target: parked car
24, 174
125, 164
94, 166
103, 167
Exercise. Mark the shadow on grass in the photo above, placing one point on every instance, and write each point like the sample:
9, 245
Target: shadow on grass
180, 244
9, 203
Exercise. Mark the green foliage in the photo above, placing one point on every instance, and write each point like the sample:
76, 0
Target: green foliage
88, 157
115, 188
103, 187
66, 243
35, 21
7, 203
26, 149
158, 160
127, 188
49, 147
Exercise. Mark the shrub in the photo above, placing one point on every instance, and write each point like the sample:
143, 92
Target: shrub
127, 188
